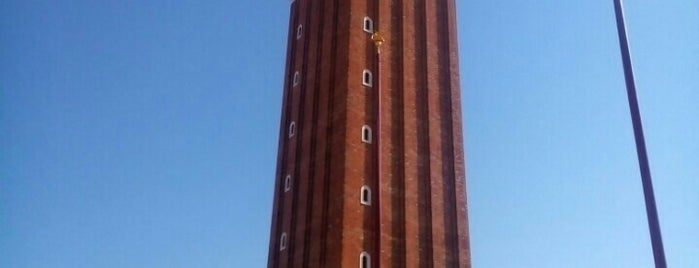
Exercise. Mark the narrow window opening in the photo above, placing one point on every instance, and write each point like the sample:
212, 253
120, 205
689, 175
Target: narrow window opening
292, 129
297, 78
282, 242
364, 260
366, 134
299, 31
366, 78
365, 196
368, 25
287, 183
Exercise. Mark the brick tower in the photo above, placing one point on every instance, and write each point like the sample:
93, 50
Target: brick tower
370, 168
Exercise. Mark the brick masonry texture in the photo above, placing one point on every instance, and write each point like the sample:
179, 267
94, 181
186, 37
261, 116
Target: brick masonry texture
418, 214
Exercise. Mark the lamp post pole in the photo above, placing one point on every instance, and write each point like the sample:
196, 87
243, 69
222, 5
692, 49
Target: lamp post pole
651, 211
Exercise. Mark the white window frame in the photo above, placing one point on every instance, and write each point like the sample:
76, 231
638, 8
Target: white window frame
287, 183
362, 196
367, 138
363, 255
297, 78
367, 78
282, 242
299, 31
368, 25
292, 129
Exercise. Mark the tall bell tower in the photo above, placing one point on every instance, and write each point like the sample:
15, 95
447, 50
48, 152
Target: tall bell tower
370, 166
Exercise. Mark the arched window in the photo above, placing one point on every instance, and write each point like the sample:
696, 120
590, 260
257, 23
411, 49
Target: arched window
292, 129
364, 260
365, 196
297, 78
287, 183
282, 242
368, 25
299, 31
366, 134
366, 78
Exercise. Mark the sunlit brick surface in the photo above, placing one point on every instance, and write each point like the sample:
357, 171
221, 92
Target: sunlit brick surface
423, 216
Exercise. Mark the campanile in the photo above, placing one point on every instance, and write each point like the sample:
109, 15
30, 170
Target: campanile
370, 167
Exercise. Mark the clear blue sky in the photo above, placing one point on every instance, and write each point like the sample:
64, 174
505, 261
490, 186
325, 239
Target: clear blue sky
144, 133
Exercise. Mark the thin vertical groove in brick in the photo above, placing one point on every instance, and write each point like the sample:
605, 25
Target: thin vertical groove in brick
409, 138
397, 159
435, 133
450, 213
329, 140
339, 245
450, 232
323, 88
307, 159
424, 192
314, 141
376, 208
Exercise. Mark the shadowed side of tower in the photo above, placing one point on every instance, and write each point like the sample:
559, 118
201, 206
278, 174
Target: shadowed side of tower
335, 203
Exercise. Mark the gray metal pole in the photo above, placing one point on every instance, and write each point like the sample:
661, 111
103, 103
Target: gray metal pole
651, 211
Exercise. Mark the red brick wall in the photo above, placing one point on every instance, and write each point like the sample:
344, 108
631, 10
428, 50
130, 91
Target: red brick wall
423, 217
